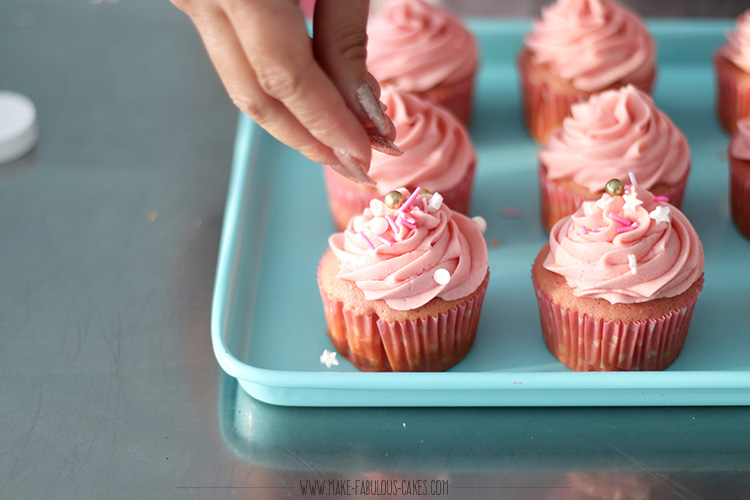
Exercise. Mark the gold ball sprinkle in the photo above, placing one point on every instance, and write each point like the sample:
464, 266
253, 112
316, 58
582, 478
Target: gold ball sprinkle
425, 191
614, 187
393, 199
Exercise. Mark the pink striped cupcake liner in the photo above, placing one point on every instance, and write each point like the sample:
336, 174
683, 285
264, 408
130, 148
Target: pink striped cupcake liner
739, 194
347, 199
433, 343
557, 202
585, 343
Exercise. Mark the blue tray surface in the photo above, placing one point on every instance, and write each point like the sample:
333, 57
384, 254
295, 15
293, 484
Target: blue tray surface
268, 326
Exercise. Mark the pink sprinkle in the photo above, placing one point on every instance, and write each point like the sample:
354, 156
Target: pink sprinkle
598, 229
408, 218
369, 243
661, 198
385, 241
510, 212
407, 224
393, 225
584, 230
632, 179
627, 187
410, 200
621, 220
625, 229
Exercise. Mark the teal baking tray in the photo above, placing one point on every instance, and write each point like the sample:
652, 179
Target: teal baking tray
268, 327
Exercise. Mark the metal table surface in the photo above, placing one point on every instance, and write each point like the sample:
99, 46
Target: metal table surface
108, 384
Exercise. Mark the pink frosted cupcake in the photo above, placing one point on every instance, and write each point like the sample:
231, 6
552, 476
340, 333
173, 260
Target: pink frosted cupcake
612, 134
403, 285
438, 155
739, 176
577, 48
424, 50
617, 283
732, 65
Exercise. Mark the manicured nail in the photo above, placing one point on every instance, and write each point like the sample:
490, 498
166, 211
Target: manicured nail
372, 107
351, 167
384, 145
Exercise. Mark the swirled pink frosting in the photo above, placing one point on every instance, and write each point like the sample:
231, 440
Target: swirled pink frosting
593, 43
437, 150
737, 48
616, 132
740, 144
402, 272
660, 257
417, 46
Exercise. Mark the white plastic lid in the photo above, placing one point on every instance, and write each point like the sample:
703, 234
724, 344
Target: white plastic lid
18, 128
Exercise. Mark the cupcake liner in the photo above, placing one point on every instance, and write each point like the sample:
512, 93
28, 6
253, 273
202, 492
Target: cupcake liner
556, 201
545, 107
347, 199
585, 343
457, 98
732, 94
432, 343
739, 194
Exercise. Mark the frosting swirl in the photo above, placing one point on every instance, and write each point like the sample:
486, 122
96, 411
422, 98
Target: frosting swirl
613, 133
417, 46
593, 43
402, 272
737, 48
740, 144
660, 254
438, 152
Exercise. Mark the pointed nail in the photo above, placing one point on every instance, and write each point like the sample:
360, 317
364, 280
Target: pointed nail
372, 107
351, 167
384, 145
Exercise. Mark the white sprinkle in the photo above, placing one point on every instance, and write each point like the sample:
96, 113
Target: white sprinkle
480, 222
442, 276
378, 225
660, 214
328, 358
631, 201
632, 263
436, 201
604, 201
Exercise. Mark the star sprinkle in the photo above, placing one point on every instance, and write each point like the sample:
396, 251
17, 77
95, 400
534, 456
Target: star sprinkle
328, 358
631, 201
660, 214
632, 263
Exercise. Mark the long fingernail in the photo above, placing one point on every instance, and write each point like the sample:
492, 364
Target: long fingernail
372, 107
351, 167
384, 145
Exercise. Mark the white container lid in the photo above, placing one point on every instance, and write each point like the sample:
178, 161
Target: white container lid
18, 128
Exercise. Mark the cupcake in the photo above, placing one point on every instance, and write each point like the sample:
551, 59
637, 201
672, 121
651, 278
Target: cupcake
617, 283
610, 135
739, 176
438, 155
403, 285
577, 48
425, 50
732, 66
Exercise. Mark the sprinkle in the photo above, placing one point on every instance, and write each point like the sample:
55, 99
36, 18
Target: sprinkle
408, 218
424, 205
481, 223
410, 200
628, 187
385, 241
631, 201
442, 276
436, 201
619, 219
625, 229
378, 225
369, 243
494, 242
661, 198
584, 230
598, 229
660, 214
632, 179
510, 212
631, 263
391, 223
407, 224
328, 358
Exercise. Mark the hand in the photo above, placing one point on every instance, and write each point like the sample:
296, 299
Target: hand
314, 95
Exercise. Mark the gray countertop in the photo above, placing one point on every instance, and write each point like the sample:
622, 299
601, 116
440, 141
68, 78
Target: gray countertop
108, 384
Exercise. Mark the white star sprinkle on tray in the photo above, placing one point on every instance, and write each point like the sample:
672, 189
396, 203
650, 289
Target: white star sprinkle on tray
328, 358
660, 214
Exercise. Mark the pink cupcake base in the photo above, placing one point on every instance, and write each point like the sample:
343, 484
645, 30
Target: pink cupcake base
739, 194
732, 93
456, 98
432, 343
585, 343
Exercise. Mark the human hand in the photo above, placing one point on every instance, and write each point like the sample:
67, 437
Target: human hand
314, 95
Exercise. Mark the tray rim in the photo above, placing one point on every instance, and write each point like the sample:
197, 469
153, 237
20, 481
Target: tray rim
258, 381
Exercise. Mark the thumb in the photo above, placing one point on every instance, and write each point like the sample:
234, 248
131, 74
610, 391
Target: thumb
340, 46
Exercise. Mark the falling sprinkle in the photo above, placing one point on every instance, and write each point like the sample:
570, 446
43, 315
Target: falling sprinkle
152, 216
328, 358
494, 242
660, 214
631, 263
510, 212
436, 201
369, 243
442, 276
481, 223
